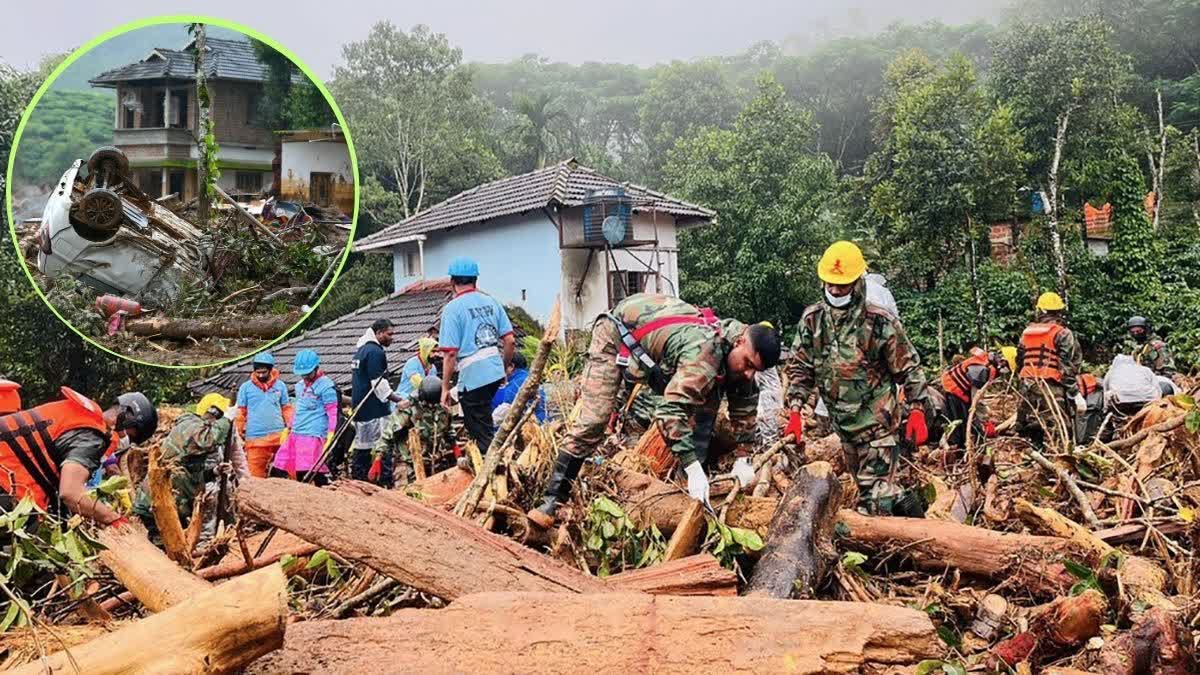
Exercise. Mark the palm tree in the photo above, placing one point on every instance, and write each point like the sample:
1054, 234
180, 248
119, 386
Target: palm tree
539, 119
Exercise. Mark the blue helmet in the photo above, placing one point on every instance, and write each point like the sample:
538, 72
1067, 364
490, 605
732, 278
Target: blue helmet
263, 359
306, 362
462, 266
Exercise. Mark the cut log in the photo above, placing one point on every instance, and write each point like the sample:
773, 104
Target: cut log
218, 631
1054, 629
442, 488
686, 538
649, 500
418, 545
258, 327
621, 633
1027, 561
799, 545
1156, 644
699, 574
652, 447
143, 569
166, 517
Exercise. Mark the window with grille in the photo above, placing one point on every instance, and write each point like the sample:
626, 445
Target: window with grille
249, 182
625, 283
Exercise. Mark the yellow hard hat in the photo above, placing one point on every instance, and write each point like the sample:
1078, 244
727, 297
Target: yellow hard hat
1010, 356
842, 263
210, 401
1050, 302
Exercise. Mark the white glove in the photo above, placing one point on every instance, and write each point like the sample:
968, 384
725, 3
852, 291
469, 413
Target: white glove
743, 471
231, 413
697, 482
1080, 404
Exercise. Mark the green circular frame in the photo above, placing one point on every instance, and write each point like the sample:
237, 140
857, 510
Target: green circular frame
180, 19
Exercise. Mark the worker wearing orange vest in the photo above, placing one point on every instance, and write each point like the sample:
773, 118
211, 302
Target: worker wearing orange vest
10, 397
1048, 362
962, 380
48, 452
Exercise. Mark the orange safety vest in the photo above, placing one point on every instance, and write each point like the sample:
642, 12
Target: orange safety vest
1041, 354
955, 380
1088, 384
10, 397
30, 462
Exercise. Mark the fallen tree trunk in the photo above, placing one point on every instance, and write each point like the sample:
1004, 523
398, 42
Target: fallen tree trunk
442, 488
166, 517
143, 569
427, 548
260, 327
1026, 561
699, 574
528, 632
218, 631
1144, 579
799, 545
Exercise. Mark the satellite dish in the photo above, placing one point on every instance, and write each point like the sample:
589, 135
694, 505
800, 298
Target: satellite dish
614, 230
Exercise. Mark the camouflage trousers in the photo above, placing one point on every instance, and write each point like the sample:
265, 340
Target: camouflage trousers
432, 423
871, 461
1038, 417
599, 392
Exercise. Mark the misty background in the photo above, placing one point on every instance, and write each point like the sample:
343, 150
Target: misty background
642, 32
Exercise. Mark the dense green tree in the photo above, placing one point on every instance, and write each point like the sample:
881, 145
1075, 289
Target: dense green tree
290, 100
419, 124
773, 196
681, 100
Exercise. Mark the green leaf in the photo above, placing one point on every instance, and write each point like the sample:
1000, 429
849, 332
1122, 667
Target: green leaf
608, 506
930, 667
1081, 572
595, 542
287, 561
1192, 421
853, 559
748, 539
954, 669
332, 569
947, 635
113, 484
1185, 401
319, 558
608, 530
10, 616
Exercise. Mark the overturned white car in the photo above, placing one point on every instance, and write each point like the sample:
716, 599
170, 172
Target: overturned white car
105, 232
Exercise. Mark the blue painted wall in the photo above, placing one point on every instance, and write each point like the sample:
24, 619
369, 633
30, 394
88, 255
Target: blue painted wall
514, 253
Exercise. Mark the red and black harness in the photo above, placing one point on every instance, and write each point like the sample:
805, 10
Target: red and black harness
631, 345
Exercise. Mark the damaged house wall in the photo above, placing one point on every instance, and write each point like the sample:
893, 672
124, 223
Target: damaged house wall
317, 170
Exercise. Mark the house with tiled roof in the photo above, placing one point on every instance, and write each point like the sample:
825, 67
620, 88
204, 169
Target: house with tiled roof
413, 310
157, 114
564, 230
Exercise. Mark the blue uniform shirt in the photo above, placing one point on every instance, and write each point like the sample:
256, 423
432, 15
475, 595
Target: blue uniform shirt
412, 367
264, 409
310, 418
508, 394
472, 325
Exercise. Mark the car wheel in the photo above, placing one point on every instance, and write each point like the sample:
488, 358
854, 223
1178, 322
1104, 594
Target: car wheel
101, 209
109, 159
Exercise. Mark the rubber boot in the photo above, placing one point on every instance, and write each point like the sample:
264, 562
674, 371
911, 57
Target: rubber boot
566, 470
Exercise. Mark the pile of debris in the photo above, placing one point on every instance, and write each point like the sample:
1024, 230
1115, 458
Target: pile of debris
146, 278
1060, 560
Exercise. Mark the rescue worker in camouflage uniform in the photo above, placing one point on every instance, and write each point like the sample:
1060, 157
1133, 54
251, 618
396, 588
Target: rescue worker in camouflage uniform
856, 356
1150, 350
685, 354
1048, 363
422, 411
960, 383
193, 451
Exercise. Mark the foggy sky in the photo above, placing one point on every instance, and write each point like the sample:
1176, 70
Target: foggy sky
628, 31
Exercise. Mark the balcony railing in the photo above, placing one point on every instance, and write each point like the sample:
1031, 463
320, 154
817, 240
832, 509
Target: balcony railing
152, 136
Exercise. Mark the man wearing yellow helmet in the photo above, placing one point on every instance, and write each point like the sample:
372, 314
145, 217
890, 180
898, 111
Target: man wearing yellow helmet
1048, 362
857, 357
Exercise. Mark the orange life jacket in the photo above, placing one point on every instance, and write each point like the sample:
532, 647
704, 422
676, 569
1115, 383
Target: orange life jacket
955, 380
30, 462
1041, 355
10, 397
1088, 384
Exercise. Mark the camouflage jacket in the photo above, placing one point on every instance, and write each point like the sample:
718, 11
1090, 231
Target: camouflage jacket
857, 358
1153, 354
1070, 357
192, 450
692, 360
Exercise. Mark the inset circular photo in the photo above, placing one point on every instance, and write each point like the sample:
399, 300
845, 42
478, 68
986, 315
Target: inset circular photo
182, 194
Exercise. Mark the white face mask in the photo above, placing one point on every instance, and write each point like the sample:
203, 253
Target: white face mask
124, 444
838, 300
